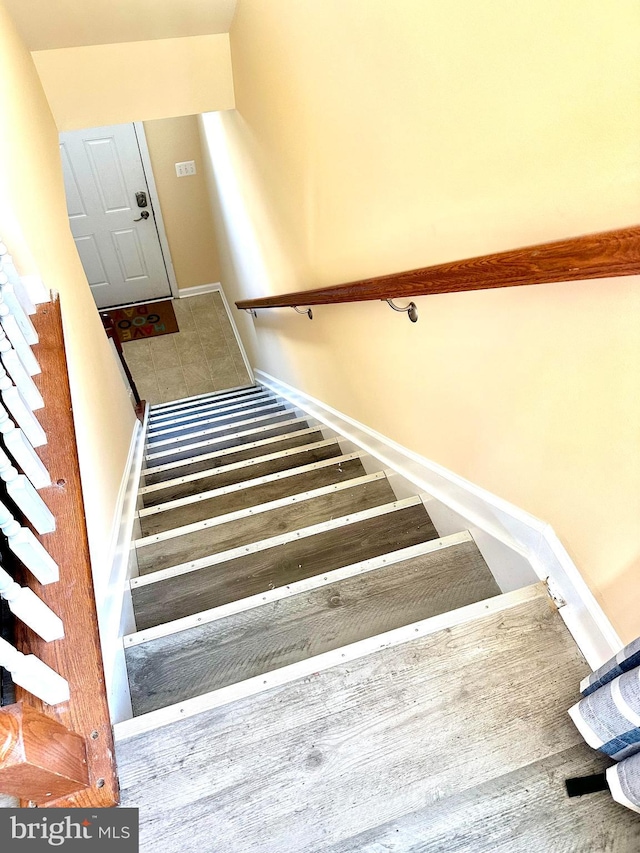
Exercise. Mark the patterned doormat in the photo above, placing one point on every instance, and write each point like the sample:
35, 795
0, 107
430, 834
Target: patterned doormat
144, 321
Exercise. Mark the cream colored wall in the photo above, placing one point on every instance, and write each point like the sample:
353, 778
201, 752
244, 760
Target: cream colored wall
372, 138
184, 201
33, 221
73, 23
136, 81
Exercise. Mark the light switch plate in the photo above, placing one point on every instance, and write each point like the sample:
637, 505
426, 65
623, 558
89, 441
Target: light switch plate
188, 167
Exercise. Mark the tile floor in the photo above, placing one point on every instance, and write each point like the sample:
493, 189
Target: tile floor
203, 356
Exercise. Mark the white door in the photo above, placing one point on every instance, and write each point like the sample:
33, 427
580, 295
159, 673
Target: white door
117, 239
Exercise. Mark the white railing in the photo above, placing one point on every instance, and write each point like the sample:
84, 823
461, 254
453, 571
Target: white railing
33, 675
29, 290
16, 370
20, 306
25, 604
22, 451
20, 433
21, 411
28, 549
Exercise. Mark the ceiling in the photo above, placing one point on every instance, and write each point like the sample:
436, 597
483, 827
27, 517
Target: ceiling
46, 24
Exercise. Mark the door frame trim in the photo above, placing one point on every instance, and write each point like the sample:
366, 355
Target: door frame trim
138, 127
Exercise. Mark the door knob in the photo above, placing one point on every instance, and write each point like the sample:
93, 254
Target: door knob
143, 215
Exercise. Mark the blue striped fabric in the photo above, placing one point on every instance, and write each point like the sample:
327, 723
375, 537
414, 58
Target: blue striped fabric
611, 716
625, 660
624, 783
608, 717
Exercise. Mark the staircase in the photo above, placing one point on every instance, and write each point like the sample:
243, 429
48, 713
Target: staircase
315, 669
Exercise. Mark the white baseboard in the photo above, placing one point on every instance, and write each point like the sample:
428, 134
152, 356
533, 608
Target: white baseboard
198, 290
113, 601
523, 534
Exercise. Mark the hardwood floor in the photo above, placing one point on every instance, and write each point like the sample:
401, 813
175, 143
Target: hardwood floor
277, 425
247, 575
298, 436
204, 658
250, 497
322, 763
315, 670
231, 534
226, 475
184, 430
525, 811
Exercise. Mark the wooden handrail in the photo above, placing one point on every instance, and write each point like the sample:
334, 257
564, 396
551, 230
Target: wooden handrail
602, 255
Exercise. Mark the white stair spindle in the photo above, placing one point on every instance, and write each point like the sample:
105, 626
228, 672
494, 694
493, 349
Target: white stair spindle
16, 371
6, 262
10, 298
25, 604
23, 453
14, 333
25, 496
28, 549
20, 411
30, 673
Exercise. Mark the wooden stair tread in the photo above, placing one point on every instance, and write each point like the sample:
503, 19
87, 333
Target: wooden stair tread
252, 496
218, 479
477, 819
283, 441
216, 439
252, 528
418, 742
209, 428
210, 411
159, 409
320, 760
188, 663
193, 592
209, 420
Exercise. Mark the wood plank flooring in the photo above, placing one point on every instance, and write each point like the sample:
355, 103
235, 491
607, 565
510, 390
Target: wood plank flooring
197, 408
220, 478
161, 410
212, 408
283, 441
454, 740
207, 429
211, 420
323, 760
213, 655
252, 573
253, 496
278, 425
525, 811
262, 525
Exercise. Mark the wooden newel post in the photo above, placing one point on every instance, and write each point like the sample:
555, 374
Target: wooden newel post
40, 760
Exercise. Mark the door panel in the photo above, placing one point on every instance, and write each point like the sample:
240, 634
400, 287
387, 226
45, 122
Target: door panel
122, 258
107, 174
91, 261
129, 254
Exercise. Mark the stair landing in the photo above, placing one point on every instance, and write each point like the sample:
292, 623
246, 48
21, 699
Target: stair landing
454, 741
